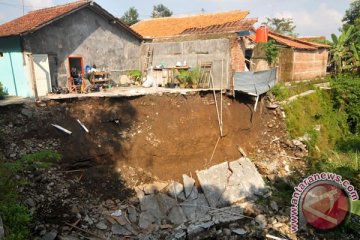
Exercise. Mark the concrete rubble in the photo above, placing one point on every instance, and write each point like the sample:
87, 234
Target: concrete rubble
227, 183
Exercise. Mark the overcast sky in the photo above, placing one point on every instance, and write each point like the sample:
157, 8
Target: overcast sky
311, 17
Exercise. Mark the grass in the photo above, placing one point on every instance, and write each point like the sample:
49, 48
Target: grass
16, 216
283, 91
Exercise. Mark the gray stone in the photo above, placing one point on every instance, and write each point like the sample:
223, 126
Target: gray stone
132, 214
2, 230
27, 113
88, 220
227, 183
239, 231
177, 216
226, 231
189, 208
101, 226
274, 206
174, 189
188, 185
50, 235
165, 203
149, 204
117, 229
213, 182
154, 187
145, 220
30, 202
202, 207
194, 194
261, 221
67, 238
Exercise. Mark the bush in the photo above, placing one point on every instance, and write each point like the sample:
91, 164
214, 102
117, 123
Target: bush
135, 75
1, 91
346, 96
16, 216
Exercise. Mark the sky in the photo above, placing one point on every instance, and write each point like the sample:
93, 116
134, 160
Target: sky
311, 17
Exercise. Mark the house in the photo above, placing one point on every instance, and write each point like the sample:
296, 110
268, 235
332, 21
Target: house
217, 38
299, 58
39, 50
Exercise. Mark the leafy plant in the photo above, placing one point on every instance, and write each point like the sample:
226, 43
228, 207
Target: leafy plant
341, 51
195, 75
183, 77
271, 52
161, 10
281, 25
135, 75
16, 216
131, 16
1, 91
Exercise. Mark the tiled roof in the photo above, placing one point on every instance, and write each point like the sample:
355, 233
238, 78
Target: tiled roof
170, 26
230, 27
35, 19
292, 41
40, 18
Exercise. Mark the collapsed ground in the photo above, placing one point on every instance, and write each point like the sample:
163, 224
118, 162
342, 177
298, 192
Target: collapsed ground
133, 141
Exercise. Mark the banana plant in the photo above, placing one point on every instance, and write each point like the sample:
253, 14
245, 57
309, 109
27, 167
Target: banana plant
341, 51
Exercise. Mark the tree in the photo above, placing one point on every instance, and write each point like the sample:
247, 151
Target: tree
161, 11
281, 25
352, 13
342, 51
131, 16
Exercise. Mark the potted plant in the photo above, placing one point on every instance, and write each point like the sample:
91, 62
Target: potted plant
183, 78
195, 75
135, 75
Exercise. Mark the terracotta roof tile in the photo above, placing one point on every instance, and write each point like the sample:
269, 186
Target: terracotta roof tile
292, 42
169, 26
230, 27
36, 19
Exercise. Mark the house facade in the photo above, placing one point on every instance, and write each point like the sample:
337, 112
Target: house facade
196, 39
40, 49
298, 59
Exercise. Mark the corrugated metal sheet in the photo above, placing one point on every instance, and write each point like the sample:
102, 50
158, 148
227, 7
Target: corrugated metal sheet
255, 83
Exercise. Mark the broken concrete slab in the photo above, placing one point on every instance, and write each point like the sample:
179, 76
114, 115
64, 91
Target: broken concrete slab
177, 216
165, 203
227, 183
117, 229
150, 205
213, 182
202, 206
154, 187
188, 184
146, 219
174, 189
195, 208
132, 214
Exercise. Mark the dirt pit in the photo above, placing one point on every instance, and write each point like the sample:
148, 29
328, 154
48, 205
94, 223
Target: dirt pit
131, 141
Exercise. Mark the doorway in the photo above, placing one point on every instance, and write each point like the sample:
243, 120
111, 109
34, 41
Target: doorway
76, 66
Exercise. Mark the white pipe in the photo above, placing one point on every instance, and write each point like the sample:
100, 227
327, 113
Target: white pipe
83, 126
62, 129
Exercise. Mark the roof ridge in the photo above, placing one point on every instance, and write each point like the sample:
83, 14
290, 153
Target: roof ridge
60, 5
195, 15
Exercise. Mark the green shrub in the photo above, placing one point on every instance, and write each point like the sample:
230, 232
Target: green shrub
16, 216
1, 91
280, 92
135, 74
195, 75
346, 96
183, 76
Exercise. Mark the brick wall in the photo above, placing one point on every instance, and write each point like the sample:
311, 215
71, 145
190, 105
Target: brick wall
285, 62
310, 64
296, 65
237, 53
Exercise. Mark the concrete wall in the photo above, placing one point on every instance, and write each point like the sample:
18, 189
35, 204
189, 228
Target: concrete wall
216, 51
12, 68
309, 64
88, 35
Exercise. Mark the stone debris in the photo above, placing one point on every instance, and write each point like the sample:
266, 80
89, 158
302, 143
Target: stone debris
188, 185
101, 226
239, 231
50, 235
227, 183
175, 189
